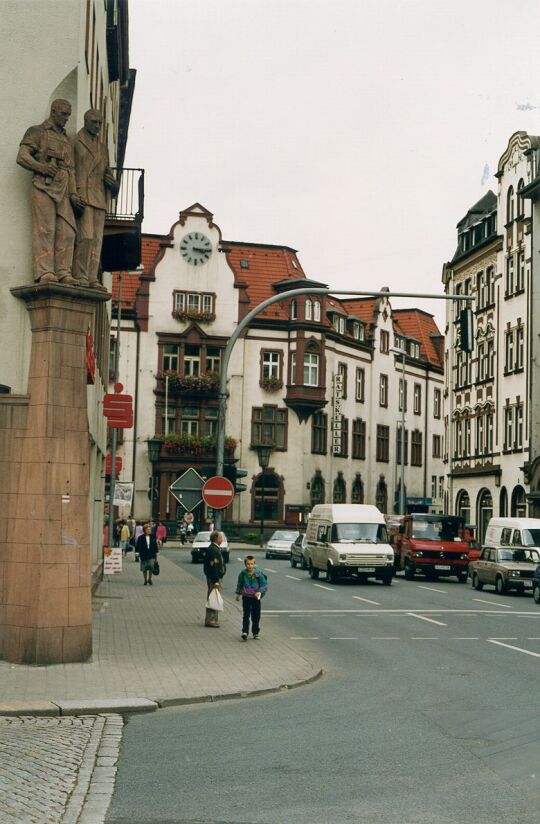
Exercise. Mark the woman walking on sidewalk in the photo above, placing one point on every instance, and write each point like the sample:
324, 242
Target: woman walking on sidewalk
147, 550
214, 569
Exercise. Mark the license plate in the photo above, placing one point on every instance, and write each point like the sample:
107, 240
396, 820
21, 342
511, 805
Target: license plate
442, 567
366, 569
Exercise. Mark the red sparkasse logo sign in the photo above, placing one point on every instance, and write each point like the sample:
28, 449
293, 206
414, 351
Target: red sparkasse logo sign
218, 492
118, 408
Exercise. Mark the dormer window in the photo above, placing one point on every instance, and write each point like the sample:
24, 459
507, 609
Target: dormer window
309, 310
294, 263
414, 349
358, 330
339, 324
316, 310
244, 264
399, 343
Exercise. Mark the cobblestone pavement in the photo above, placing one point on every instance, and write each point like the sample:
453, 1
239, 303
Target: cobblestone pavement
57, 770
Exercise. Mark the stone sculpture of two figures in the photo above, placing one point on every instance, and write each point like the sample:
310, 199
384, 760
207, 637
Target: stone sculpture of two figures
70, 184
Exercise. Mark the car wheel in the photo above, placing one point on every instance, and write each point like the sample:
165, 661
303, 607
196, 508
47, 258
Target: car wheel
409, 571
477, 583
500, 586
314, 573
462, 577
536, 593
387, 580
267, 555
293, 562
331, 575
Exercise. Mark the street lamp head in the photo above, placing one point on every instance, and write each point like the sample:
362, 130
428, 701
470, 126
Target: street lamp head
263, 453
154, 449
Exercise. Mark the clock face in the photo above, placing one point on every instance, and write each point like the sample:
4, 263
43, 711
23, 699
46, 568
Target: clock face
195, 248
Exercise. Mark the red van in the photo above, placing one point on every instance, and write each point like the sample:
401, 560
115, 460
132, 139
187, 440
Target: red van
431, 545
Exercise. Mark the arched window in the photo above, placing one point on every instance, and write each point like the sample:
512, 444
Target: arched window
316, 310
309, 309
266, 497
503, 503
340, 490
463, 506
357, 491
510, 204
484, 511
317, 489
381, 495
294, 310
520, 203
518, 505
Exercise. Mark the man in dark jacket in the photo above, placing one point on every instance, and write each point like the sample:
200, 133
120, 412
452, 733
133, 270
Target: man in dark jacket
147, 550
214, 569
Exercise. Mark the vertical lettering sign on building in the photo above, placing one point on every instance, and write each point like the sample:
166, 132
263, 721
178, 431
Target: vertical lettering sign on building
337, 417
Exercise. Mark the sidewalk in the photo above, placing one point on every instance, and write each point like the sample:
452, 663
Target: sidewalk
151, 650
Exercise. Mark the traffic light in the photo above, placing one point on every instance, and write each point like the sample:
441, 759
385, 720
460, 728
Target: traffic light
466, 330
240, 473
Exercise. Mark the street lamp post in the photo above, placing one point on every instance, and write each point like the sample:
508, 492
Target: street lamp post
263, 454
402, 353
154, 451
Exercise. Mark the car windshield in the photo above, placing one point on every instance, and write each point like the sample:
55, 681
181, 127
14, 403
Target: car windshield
438, 529
284, 535
527, 556
203, 536
363, 533
531, 537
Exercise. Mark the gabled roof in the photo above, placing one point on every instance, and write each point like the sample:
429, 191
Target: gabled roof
415, 323
150, 247
361, 308
266, 265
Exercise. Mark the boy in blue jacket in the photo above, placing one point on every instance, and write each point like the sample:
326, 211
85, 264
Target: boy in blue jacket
252, 585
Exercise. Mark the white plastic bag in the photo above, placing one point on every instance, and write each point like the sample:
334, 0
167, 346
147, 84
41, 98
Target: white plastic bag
215, 601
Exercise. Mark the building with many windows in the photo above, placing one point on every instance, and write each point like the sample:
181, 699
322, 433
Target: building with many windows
323, 380
487, 391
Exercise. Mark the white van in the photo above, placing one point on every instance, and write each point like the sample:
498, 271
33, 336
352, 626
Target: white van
513, 532
348, 539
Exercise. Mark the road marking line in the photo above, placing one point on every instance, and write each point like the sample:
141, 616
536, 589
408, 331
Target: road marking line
534, 638
463, 638
517, 649
294, 578
386, 638
502, 638
358, 598
321, 586
267, 569
483, 601
402, 611
304, 638
423, 638
431, 620
343, 638
431, 589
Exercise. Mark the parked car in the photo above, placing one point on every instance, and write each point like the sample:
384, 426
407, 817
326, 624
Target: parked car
279, 545
505, 568
200, 544
297, 552
536, 585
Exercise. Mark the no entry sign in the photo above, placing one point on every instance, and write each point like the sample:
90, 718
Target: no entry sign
218, 492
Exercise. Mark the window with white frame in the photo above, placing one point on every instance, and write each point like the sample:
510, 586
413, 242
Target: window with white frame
479, 446
360, 384
208, 303
189, 423
437, 403
519, 426
385, 342
417, 399
520, 273
193, 302
509, 351
168, 421
441, 486
414, 349
402, 401
416, 448
467, 437
520, 347
292, 377
308, 309
436, 446
192, 360
342, 370
510, 204
311, 370
210, 420
508, 427
490, 286
271, 362
490, 359
459, 438
179, 301
383, 390
481, 362
294, 310
358, 330
171, 356
213, 359
509, 281
480, 290
457, 307
433, 486
339, 324
489, 432
316, 310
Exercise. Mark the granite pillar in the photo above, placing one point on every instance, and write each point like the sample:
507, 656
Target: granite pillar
45, 576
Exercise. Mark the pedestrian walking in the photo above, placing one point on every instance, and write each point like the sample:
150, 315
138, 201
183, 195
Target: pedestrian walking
147, 550
139, 530
252, 585
161, 534
124, 538
214, 569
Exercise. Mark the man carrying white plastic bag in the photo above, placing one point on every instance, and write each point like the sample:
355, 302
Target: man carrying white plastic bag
214, 569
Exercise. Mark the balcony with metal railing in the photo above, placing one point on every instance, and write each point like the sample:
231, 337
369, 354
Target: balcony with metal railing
123, 222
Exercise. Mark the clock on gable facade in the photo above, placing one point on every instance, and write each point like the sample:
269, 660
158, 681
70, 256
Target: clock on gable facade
195, 248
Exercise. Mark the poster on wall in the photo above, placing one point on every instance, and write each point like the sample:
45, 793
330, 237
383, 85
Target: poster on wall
123, 493
112, 560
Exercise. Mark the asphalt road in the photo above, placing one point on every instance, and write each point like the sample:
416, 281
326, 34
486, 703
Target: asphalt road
427, 714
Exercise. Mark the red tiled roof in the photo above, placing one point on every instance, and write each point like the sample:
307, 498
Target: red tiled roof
150, 247
362, 308
267, 265
416, 323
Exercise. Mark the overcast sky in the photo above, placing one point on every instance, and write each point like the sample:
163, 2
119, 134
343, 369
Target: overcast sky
356, 131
